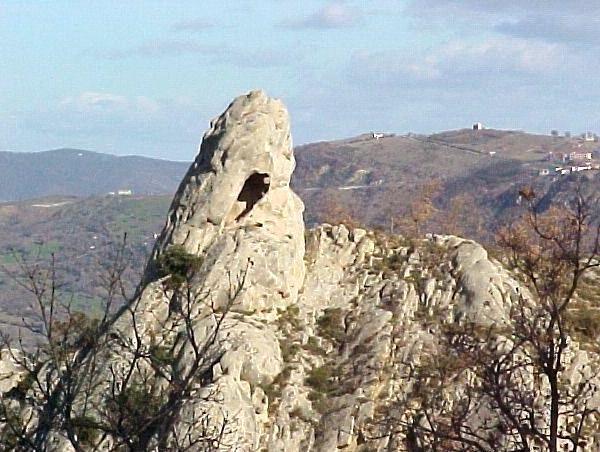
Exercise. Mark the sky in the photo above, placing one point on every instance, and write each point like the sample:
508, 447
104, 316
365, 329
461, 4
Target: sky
146, 77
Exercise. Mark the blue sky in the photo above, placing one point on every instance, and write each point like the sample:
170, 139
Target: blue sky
146, 77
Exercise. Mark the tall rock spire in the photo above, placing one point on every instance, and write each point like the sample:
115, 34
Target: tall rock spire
235, 206
235, 210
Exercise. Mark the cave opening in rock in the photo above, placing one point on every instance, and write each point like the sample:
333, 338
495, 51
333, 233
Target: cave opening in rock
255, 187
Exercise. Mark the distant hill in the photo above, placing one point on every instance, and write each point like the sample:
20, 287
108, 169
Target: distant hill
74, 172
373, 180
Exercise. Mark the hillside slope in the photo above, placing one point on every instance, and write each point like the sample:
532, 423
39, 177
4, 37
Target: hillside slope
357, 168
83, 173
375, 179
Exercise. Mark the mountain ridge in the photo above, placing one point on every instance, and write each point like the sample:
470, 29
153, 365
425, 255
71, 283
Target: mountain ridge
78, 172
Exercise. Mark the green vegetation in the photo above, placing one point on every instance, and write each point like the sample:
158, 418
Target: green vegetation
161, 354
90, 306
289, 350
83, 234
130, 213
288, 319
138, 406
331, 325
313, 346
585, 323
273, 390
178, 264
320, 379
86, 429
324, 382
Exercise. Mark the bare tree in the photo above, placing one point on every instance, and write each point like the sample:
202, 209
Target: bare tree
110, 383
411, 219
508, 385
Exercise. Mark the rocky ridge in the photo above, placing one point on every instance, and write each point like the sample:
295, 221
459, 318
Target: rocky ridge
320, 323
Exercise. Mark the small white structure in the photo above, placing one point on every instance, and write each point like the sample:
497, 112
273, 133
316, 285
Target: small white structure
477, 126
492, 153
544, 172
377, 136
588, 136
125, 193
580, 156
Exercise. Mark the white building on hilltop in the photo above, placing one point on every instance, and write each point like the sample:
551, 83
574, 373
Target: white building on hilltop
477, 126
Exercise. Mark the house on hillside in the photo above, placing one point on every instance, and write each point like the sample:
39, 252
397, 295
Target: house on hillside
478, 126
577, 156
124, 192
588, 136
377, 136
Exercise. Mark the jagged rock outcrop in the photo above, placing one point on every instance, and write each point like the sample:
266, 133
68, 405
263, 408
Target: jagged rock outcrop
235, 206
318, 323
236, 211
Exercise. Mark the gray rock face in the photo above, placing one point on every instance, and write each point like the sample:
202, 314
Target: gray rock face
236, 210
321, 321
235, 206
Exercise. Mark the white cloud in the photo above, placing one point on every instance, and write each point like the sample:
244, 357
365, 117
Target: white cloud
98, 120
236, 56
333, 15
94, 101
573, 22
475, 8
465, 62
193, 25
108, 103
501, 54
573, 29
164, 48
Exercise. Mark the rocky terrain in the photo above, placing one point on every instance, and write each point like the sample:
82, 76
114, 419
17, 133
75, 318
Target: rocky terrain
319, 324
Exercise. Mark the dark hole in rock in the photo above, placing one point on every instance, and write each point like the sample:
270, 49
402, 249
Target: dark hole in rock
253, 190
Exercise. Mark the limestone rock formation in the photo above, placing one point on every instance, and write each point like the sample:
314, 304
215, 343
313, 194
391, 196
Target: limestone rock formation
235, 206
319, 322
236, 210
